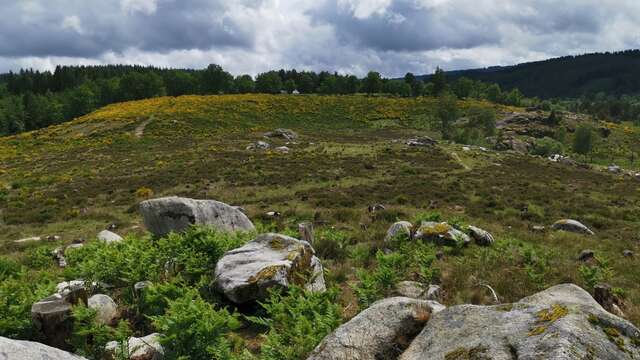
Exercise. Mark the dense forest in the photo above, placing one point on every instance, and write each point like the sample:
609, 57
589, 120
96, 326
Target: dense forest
616, 73
32, 100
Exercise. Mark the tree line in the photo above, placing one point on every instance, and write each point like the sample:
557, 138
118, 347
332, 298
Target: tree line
31, 100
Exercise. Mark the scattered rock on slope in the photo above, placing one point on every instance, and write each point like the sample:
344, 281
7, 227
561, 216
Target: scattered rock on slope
175, 214
421, 141
271, 260
397, 229
28, 350
482, 237
562, 322
572, 226
143, 348
282, 133
380, 332
109, 237
106, 309
442, 234
259, 145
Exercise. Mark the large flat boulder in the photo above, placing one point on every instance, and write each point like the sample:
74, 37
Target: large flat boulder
176, 214
271, 260
562, 322
28, 350
380, 332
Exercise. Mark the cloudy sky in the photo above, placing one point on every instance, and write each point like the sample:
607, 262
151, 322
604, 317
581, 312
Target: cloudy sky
349, 36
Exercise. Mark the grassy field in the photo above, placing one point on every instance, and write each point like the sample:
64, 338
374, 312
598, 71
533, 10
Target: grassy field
75, 179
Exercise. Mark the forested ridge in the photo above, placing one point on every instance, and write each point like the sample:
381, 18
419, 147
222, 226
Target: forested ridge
602, 84
31, 100
613, 73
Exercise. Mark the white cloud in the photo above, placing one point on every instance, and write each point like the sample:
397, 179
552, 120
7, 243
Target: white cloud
147, 7
72, 22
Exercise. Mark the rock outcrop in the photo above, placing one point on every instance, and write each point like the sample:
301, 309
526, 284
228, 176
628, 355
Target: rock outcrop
282, 133
271, 260
380, 332
422, 141
562, 322
28, 350
441, 234
572, 226
175, 214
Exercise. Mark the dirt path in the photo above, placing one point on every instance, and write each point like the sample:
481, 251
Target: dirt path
139, 132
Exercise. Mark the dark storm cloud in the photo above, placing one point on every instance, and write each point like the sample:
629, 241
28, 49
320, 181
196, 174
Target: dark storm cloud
405, 25
414, 25
91, 28
251, 36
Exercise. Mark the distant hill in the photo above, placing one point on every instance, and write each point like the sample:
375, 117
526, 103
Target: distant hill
615, 73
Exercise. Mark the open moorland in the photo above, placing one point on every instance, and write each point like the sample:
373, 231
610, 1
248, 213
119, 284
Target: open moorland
66, 183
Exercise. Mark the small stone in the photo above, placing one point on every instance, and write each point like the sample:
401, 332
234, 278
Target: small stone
627, 253
538, 228
106, 308
109, 237
144, 348
282, 149
572, 226
481, 237
586, 255
411, 289
140, 286
434, 293
376, 207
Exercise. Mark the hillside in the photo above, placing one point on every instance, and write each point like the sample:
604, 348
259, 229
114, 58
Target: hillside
567, 77
75, 179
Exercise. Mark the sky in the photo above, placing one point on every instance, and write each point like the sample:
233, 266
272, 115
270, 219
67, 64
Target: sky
348, 36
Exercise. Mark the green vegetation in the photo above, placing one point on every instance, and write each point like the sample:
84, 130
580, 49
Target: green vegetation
77, 178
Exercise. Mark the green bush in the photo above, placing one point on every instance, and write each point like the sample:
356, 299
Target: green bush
547, 146
8, 268
17, 293
427, 216
120, 264
331, 244
195, 253
377, 283
90, 337
297, 321
600, 272
193, 329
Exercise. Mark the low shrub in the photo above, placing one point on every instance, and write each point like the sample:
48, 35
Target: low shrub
193, 329
297, 321
17, 293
